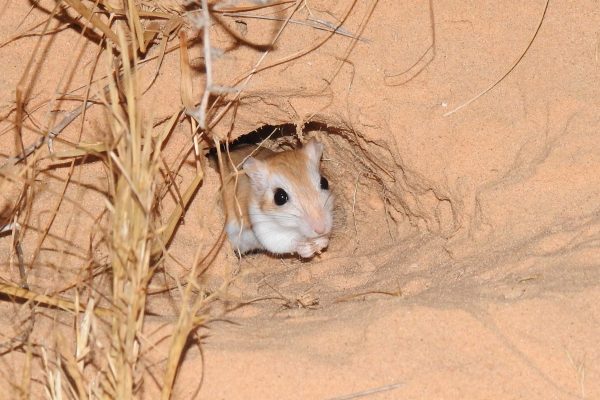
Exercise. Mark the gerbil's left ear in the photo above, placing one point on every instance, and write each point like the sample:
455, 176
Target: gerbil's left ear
314, 150
257, 172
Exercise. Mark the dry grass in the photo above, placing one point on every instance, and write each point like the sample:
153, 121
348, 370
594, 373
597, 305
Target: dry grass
105, 360
104, 302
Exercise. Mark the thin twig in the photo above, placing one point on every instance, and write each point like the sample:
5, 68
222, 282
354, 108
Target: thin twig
509, 70
10, 227
50, 301
199, 113
251, 8
248, 76
423, 59
22, 336
354, 204
368, 392
53, 133
313, 23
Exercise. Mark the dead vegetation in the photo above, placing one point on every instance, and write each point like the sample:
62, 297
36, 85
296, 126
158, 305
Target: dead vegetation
99, 288
102, 159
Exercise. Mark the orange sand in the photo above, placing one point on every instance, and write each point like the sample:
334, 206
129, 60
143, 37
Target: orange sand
466, 256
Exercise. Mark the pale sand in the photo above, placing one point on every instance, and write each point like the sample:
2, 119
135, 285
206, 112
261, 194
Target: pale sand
466, 259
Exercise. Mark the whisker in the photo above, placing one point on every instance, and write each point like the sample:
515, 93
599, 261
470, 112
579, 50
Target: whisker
274, 218
280, 216
328, 198
261, 222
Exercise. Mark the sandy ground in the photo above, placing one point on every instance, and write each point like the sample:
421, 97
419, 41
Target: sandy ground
465, 260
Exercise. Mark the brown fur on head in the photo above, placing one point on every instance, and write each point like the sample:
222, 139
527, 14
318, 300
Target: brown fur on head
289, 202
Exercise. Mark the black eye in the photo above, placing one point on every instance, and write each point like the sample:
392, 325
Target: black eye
324, 183
280, 197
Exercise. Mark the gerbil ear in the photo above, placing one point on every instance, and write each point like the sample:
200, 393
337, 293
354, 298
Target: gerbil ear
257, 172
314, 150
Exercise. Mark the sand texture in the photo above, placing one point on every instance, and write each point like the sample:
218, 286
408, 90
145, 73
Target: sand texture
465, 257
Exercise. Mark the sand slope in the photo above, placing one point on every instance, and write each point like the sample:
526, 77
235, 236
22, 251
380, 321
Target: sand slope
465, 261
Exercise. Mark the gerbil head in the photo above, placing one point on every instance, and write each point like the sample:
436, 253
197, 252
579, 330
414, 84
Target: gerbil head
290, 204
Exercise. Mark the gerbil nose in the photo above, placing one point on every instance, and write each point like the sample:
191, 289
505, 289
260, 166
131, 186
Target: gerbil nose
318, 225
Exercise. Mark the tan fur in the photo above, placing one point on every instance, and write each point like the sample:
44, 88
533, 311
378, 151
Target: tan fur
291, 164
301, 225
236, 185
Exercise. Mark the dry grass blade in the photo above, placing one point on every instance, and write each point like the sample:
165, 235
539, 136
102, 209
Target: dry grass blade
136, 155
185, 325
514, 65
239, 38
419, 66
53, 133
352, 45
185, 85
189, 320
53, 377
119, 12
151, 32
245, 78
93, 19
175, 216
316, 24
30, 32
82, 150
172, 25
369, 392
23, 87
52, 301
71, 369
173, 221
24, 389
138, 30
251, 8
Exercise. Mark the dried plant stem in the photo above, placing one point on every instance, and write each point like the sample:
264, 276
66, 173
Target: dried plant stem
54, 132
52, 301
199, 113
514, 65
132, 227
316, 24
93, 18
189, 319
369, 392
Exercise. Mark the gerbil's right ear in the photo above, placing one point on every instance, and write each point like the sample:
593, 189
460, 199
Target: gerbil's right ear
257, 172
314, 150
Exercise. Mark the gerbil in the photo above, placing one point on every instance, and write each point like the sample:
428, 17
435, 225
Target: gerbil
278, 202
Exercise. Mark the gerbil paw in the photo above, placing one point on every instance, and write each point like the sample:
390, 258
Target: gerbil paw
310, 248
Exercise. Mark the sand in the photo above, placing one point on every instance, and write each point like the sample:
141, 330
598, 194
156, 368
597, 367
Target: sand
465, 259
